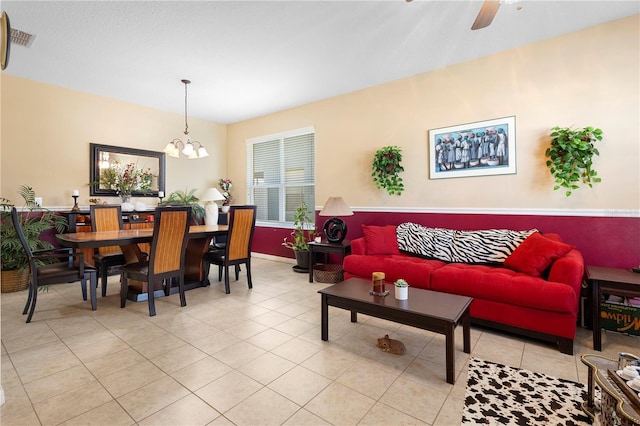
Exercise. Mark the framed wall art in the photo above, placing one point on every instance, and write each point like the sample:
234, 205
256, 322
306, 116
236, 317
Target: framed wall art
473, 149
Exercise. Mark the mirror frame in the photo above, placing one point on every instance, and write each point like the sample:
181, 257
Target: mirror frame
94, 169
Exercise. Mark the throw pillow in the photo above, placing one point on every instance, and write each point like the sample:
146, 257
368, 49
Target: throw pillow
486, 246
380, 239
535, 254
430, 243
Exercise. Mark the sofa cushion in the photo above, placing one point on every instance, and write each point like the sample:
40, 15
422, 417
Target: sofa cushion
535, 254
504, 285
381, 239
414, 270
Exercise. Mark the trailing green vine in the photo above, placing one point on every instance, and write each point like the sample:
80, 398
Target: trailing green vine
571, 157
386, 168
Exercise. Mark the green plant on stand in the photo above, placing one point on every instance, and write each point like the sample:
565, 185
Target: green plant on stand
571, 157
184, 198
298, 240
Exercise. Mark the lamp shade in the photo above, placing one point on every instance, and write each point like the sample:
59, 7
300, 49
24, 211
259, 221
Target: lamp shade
335, 206
212, 194
202, 152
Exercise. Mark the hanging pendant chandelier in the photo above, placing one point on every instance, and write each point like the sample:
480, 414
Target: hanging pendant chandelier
185, 144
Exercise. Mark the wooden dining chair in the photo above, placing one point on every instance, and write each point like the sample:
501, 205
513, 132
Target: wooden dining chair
106, 218
54, 266
166, 257
242, 223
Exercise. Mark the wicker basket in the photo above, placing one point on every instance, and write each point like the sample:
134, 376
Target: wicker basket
14, 281
329, 273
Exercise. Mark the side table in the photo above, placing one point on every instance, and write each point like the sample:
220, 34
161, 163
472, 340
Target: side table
617, 281
324, 246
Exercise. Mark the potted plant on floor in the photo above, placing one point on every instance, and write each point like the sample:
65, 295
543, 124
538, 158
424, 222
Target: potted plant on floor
34, 221
299, 239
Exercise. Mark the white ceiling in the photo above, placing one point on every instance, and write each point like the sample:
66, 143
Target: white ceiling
250, 58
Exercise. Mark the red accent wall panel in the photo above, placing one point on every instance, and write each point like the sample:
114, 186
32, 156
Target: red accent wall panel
603, 241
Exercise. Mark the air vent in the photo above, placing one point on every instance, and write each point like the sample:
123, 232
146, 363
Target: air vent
21, 38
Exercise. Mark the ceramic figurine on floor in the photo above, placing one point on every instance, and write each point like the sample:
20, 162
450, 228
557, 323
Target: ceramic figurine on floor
391, 345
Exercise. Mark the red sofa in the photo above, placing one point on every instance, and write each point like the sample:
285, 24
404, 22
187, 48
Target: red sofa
535, 292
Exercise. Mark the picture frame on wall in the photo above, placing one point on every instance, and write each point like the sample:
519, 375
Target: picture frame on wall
481, 148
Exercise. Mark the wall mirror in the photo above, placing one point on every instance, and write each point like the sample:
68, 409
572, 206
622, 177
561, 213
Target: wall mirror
105, 157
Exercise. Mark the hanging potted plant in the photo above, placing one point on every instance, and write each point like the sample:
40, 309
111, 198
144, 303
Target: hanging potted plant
571, 157
299, 239
386, 170
34, 221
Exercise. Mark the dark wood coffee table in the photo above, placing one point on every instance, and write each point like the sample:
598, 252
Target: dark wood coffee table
429, 310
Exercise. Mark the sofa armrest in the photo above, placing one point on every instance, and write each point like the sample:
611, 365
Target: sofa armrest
569, 269
359, 246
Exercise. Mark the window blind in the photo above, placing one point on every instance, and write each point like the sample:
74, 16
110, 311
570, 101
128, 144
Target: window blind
281, 174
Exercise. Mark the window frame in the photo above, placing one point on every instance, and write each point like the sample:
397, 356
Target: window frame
280, 137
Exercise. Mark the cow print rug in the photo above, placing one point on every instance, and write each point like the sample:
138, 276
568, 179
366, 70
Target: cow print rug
498, 394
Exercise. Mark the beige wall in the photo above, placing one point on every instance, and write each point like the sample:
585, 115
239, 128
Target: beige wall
587, 78
46, 131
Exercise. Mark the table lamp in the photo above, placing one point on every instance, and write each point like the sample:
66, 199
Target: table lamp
211, 208
335, 229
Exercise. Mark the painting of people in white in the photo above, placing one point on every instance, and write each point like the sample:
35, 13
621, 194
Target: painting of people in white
473, 149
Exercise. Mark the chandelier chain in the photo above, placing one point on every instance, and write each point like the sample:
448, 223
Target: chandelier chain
186, 125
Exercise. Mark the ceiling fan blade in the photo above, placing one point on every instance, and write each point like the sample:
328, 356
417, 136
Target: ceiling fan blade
486, 14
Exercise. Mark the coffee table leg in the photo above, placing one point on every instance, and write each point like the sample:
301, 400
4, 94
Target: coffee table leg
354, 316
466, 331
450, 346
324, 318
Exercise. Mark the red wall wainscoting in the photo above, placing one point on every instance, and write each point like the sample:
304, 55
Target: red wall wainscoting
603, 241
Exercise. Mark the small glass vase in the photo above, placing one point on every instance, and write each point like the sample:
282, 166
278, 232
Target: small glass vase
126, 198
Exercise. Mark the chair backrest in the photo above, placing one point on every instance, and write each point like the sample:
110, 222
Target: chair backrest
23, 240
169, 242
242, 223
106, 217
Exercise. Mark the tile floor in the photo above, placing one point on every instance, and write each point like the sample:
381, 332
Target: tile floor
251, 357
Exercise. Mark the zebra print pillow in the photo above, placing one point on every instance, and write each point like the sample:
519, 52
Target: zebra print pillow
432, 243
474, 247
487, 246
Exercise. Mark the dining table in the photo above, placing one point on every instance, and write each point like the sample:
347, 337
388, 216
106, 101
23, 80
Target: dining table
198, 243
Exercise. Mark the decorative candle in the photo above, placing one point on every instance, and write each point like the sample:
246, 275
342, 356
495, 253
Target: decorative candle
378, 282
75, 193
160, 194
